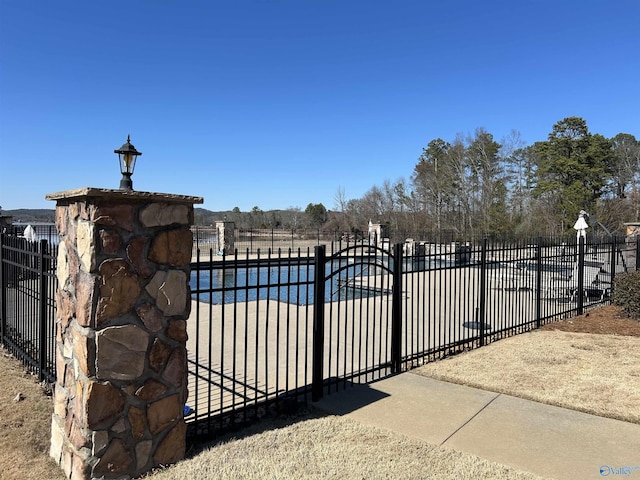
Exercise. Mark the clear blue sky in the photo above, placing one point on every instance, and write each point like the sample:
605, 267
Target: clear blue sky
279, 103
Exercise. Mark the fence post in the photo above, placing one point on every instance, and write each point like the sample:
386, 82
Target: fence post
637, 252
317, 367
483, 284
538, 282
580, 292
396, 311
614, 249
3, 292
42, 309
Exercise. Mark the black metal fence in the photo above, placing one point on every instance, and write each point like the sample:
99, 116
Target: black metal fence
276, 328
27, 302
288, 326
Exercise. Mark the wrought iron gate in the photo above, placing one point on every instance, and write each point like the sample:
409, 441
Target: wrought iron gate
356, 329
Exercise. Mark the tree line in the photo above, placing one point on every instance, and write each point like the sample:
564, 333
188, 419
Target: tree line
475, 185
314, 216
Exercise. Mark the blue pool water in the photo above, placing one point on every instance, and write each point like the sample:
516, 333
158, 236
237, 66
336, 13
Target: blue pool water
292, 284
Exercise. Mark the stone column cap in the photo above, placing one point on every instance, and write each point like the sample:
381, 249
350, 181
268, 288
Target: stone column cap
127, 195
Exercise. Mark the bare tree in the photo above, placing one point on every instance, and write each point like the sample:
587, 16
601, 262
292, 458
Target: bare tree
340, 200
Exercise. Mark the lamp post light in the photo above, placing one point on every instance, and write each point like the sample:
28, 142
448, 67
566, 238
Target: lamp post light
127, 155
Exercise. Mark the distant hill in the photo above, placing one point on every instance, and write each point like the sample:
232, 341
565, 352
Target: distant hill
289, 218
256, 218
26, 215
207, 217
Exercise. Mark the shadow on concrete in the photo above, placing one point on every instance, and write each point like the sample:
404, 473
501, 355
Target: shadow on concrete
352, 398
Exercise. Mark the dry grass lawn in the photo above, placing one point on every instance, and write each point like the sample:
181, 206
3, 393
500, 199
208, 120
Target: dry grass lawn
329, 447
24, 425
308, 446
597, 373
592, 373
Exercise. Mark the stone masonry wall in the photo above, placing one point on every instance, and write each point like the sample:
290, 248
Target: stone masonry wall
122, 304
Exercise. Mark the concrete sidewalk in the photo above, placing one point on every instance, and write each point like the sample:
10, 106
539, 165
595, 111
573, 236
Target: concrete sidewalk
546, 440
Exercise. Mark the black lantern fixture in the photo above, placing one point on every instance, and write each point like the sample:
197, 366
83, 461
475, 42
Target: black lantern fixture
127, 155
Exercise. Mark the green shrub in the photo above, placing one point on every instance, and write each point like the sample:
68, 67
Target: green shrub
626, 293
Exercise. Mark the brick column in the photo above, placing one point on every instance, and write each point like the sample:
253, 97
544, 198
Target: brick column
122, 304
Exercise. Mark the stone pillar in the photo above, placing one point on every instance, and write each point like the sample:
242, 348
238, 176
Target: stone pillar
122, 304
633, 229
5, 222
631, 239
225, 233
375, 233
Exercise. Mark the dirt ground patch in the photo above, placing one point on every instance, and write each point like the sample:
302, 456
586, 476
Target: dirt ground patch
607, 320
